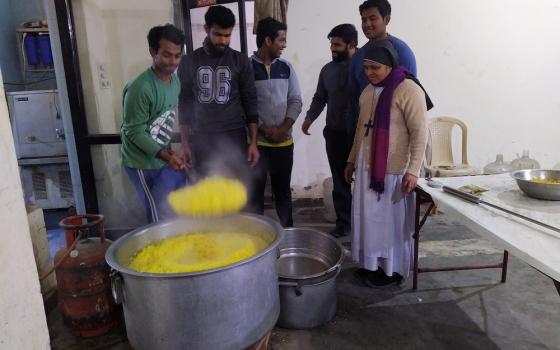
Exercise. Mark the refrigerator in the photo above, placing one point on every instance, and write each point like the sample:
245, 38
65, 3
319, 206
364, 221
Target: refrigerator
41, 148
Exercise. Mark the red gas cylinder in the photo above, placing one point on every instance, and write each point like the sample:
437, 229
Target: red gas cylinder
84, 287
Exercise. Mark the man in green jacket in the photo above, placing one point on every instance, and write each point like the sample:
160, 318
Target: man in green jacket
149, 113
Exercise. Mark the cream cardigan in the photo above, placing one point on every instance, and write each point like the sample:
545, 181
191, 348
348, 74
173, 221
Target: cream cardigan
408, 132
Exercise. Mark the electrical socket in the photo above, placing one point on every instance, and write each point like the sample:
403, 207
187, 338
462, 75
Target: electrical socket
103, 76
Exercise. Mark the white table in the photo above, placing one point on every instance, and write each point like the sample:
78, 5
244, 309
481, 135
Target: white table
536, 245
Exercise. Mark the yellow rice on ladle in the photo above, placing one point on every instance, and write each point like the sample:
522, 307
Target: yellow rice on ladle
209, 197
192, 252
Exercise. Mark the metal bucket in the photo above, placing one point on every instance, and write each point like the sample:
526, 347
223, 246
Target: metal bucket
226, 308
308, 265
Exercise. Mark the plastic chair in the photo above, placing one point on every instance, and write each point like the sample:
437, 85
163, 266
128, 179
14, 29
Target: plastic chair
439, 154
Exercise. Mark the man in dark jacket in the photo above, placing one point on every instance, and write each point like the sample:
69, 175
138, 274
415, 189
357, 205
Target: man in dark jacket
331, 91
218, 103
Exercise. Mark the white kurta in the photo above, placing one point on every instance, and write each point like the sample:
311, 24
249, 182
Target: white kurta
382, 229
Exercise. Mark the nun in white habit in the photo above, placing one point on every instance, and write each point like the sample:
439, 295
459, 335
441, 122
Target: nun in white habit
386, 157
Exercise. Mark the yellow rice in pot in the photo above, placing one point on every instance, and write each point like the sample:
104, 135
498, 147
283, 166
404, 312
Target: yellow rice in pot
198, 251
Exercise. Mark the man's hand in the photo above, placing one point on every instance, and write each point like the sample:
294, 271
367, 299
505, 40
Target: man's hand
279, 134
265, 130
409, 183
187, 153
349, 172
305, 126
187, 156
274, 134
174, 161
253, 154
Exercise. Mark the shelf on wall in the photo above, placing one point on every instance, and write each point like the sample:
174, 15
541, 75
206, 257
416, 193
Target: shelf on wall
26, 68
33, 30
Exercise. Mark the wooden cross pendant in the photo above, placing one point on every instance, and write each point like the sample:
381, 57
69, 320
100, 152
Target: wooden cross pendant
368, 126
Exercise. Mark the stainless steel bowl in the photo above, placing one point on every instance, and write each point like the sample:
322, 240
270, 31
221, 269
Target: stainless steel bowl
308, 254
537, 190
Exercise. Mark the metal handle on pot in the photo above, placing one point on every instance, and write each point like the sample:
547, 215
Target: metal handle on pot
297, 286
117, 287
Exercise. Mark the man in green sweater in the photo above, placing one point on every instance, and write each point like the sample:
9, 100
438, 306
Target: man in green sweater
149, 112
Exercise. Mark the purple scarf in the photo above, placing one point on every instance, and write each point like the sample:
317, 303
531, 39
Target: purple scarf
381, 123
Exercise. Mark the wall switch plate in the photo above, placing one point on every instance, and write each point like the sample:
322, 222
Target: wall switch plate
103, 75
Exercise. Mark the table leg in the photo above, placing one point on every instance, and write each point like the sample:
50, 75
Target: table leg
416, 242
421, 197
505, 266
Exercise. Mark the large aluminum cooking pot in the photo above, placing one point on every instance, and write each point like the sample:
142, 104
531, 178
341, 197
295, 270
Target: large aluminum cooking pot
225, 308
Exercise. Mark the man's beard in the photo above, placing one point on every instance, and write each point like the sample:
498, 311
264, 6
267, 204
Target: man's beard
341, 56
213, 49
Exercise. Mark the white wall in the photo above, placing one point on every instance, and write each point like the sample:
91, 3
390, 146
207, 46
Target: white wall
23, 323
308, 50
491, 63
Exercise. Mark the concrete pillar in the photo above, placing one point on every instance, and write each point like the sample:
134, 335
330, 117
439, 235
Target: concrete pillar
23, 323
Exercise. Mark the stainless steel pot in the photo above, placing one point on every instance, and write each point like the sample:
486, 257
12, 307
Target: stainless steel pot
308, 265
226, 308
